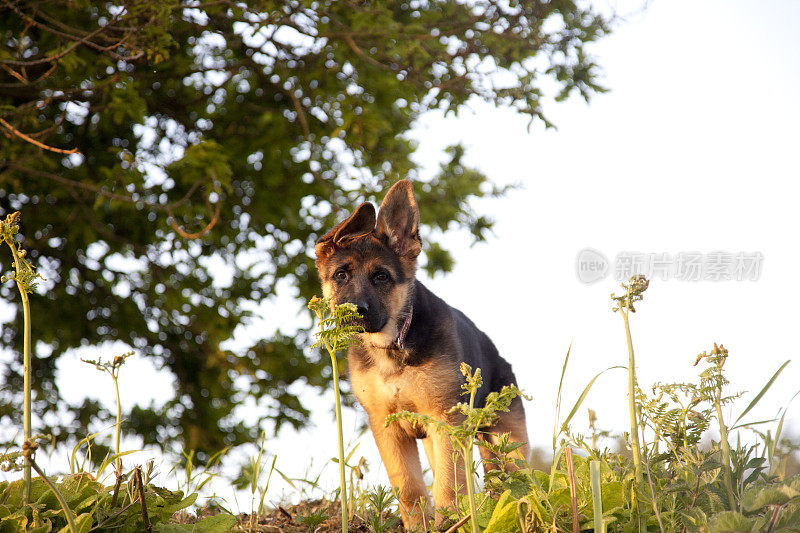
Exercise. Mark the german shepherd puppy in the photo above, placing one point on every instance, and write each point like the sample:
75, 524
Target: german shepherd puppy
412, 348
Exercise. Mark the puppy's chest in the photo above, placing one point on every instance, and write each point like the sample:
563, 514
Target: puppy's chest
384, 386
388, 393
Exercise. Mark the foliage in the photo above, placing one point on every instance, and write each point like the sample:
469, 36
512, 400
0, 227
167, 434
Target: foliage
252, 126
96, 507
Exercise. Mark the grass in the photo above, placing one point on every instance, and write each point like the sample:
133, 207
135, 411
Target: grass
669, 483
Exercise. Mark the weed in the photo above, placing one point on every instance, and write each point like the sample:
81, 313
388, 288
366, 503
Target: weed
625, 304
312, 519
380, 519
112, 369
25, 277
337, 332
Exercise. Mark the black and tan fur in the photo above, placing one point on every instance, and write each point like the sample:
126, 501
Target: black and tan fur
371, 261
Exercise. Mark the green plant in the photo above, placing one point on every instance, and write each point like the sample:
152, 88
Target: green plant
312, 519
337, 332
249, 477
9, 462
379, 518
194, 479
625, 304
356, 477
712, 382
112, 369
25, 277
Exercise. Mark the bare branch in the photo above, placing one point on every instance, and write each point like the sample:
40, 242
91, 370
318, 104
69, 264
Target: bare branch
33, 141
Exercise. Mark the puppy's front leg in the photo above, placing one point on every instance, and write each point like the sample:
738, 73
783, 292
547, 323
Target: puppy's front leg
401, 458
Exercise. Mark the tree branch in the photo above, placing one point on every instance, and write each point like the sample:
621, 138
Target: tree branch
33, 141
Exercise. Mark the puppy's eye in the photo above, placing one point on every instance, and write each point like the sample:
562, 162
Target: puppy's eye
381, 277
340, 275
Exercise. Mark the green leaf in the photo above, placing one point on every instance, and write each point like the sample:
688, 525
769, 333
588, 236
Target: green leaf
83, 524
731, 522
504, 517
45, 527
696, 520
759, 497
14, 524
218, 523
170, 509
613, 495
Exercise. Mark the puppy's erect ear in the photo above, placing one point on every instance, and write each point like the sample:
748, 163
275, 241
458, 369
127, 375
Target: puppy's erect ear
361, 222
398, 220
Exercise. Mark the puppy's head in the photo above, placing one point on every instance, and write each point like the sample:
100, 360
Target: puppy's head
370, 261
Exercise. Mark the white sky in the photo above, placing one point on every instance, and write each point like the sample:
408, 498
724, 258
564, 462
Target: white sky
694, 149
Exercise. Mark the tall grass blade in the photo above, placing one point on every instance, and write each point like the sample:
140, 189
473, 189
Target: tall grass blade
266, 487
778, 431
751, 424
585, 392
763, 391
558, 398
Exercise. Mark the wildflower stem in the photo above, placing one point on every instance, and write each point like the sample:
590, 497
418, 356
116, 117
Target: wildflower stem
336, 394
473, 512
118, 462
467, 447
26, 355
119, 423
59, 496
635, 450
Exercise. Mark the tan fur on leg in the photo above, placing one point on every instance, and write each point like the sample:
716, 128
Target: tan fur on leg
399, 454
427, 442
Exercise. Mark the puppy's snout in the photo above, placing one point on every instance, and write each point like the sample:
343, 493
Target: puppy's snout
362, 307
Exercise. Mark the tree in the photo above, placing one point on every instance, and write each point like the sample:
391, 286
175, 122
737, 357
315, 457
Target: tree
234, 133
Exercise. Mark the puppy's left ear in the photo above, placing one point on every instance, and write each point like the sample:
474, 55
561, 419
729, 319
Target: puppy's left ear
398, 220
360, 223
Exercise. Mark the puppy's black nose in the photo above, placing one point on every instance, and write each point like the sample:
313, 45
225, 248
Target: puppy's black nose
362, 307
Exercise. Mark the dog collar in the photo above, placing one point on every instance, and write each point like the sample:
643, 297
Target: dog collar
401, 337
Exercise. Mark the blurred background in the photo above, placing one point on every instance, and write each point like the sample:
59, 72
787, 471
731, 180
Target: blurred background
216, 144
